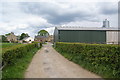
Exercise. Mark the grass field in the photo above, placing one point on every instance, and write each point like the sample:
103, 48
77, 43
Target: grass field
6, 46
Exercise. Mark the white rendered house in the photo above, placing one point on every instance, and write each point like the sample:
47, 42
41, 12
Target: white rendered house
28, 39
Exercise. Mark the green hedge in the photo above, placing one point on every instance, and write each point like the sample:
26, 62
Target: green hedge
10, 55
102, 59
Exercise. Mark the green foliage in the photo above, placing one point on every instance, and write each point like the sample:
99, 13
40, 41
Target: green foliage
8, 45
3, 38
7, 34
10, 55
43, 33
18, 70
23, 35
102, 59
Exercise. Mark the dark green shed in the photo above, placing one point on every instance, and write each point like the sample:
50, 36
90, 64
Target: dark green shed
80, 34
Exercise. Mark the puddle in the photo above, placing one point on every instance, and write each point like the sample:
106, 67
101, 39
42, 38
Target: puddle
46, 69
44, 62
46, 51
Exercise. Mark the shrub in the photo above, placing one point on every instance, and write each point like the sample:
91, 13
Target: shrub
102, 59
37, 44
5, 41
10, 55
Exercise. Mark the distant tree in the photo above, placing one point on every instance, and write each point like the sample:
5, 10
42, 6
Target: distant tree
43, 33
7, 34
3, 38
18, 37
23, 35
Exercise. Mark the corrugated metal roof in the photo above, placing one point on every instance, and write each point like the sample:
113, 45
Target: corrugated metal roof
85, 28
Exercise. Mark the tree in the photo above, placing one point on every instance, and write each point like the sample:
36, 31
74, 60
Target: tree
3, 38
7, 34
18, 37
23, 35
43, 33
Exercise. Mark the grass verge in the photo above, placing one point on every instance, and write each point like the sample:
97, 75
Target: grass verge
17, 70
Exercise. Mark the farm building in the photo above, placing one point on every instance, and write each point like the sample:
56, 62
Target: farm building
12, 37
87, 35
44, 38
28, 39
41, 38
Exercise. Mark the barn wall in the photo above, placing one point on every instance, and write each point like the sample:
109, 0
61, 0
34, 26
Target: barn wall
113, 37
82, 36
56, 35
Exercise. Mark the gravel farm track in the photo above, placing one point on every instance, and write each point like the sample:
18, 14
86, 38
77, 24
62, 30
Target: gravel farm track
48, 63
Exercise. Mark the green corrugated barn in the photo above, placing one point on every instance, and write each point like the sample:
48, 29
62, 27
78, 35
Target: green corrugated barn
83, 34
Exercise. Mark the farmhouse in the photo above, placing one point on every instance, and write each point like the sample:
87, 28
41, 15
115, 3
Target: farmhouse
28, 39
50, 38
11, 37
100, 35
44, 38
41, 38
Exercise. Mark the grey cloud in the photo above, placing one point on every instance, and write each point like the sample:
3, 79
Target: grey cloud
56, 15
109, 11
108, 8
115, 11
68, 17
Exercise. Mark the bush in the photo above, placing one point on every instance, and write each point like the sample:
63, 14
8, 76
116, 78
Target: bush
25, 41
102, 59
10, 55
4, 41
37, 44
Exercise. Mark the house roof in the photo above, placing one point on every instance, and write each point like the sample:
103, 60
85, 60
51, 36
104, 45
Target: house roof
26, 38
86, 28
40, 37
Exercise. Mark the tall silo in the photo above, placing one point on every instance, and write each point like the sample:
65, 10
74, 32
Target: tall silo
106, 24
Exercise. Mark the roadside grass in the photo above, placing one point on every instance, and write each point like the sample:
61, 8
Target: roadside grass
17, 70
7, 45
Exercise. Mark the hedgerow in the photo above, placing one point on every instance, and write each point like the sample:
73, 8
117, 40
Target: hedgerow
10, 55
102, 59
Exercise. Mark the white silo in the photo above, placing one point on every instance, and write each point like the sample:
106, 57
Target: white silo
106, 24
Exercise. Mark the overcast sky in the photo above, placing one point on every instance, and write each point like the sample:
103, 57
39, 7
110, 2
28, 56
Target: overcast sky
30, 17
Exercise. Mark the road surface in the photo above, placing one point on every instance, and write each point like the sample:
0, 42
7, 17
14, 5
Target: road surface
48, 63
